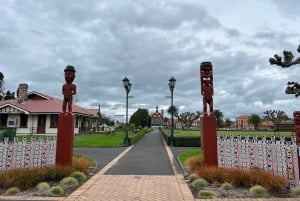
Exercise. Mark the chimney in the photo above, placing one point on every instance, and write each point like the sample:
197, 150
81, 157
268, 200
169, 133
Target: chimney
22, 92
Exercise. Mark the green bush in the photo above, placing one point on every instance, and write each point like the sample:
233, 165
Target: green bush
79, 176
12, 191
56, 190
295, 191
42, 186
199, 183
186, 141
258, 191
206, 194
192, 177
69, 182
226, 186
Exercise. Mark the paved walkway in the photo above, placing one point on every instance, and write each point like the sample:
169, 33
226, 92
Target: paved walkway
145, 171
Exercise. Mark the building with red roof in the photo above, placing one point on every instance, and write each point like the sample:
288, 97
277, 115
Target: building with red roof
37, 113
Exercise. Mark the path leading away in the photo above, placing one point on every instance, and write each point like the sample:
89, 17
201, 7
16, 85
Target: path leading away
147, 157
144, 171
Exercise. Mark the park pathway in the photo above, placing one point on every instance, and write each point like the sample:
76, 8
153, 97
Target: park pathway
144, 171
147, 157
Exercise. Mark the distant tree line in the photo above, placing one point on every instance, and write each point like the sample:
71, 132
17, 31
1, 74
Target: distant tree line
5, 95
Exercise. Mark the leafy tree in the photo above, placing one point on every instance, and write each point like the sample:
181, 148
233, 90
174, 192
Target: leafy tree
276, 116
1, 86
187, 118
219, 117
255, 120
141, 118
9, 95
5, 96
227, 123
173, 110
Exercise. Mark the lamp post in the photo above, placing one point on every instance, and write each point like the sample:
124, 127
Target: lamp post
127, 86
171, 87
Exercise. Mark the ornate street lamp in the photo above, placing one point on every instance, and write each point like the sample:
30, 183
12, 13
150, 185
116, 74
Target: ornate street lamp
127, 86
171, 87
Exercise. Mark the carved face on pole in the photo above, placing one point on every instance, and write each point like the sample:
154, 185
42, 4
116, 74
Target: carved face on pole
69, 74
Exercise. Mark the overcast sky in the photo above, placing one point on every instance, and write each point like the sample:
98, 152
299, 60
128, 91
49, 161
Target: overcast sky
149, 42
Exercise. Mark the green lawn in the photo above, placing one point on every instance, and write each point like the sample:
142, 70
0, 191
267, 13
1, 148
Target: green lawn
183, 156
100, 140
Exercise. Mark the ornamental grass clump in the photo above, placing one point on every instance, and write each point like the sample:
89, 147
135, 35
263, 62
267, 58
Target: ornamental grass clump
69, 182
199, 183
79, 176
226, 186
258, 191
194, 163
56, 190
12, 191
295, 191
206, 194
192, 177
43, 186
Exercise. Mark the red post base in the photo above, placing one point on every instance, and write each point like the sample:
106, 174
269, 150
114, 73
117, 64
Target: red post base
209, 140
65, 136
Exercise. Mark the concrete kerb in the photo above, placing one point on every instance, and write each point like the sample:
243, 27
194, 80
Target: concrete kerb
185, 191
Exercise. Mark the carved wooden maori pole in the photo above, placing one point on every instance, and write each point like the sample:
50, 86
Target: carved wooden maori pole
207, 90
65, 130
208, 122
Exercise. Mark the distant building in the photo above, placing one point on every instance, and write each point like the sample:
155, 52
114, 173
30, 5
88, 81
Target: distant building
157, 118
241, 123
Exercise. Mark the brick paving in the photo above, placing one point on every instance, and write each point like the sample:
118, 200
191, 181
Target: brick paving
117, 187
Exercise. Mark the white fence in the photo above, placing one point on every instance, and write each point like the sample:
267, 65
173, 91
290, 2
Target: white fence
277, 156
27, 153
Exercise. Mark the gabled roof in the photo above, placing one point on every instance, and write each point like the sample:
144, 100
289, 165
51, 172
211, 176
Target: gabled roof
41, 103
243, 117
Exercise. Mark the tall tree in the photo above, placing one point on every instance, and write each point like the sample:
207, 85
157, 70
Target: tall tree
9, 95
187, 118
173, 110
141, 118
276, 116
255, 120
227, 123
219, 117
1, 86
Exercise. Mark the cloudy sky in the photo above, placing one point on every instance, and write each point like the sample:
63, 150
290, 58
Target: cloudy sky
150, 41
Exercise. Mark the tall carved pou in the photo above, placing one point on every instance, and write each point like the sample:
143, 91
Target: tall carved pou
207, 91
297, 126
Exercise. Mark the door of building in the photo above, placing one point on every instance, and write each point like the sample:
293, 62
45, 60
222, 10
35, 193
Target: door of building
41, 127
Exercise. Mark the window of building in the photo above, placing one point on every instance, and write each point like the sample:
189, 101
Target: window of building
23, 120
77, 120
53, 120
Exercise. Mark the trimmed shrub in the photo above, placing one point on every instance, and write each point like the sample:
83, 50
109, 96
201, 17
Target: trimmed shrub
69, 182
295, 191
12, 191
192, 177
199, 183
226, 186
258, 191
43, 186
206, 194
56, 190
79, 176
